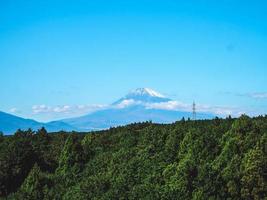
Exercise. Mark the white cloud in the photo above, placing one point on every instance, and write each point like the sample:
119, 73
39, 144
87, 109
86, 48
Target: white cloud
89, 108
217, 110
259, 95
253, 95
169, 105
41, 109
68, 111
65, 109
222, 111
126, 103
14, 110
180, 106
62, 109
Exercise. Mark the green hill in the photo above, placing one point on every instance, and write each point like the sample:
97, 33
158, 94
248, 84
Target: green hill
207, 159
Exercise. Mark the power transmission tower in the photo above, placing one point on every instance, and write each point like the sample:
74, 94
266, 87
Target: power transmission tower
194, 111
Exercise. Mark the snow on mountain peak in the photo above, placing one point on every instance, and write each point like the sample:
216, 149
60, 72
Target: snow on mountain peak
146, 92
140, 96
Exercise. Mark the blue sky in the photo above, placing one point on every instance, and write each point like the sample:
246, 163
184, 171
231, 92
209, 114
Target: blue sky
62, 54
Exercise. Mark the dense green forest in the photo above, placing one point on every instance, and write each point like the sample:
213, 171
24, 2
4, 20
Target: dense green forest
205, 159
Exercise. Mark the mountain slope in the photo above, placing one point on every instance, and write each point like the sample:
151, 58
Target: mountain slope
10, 124
142, 104
137, 106
114, 117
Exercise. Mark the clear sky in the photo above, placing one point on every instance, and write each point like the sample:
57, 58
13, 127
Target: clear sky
56, 54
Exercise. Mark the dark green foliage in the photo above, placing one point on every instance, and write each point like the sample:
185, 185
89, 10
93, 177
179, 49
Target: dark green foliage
72, 157
1, 137
16, 160
209, 159
36, 186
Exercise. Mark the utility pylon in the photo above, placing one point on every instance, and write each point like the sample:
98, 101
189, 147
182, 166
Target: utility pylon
194, 111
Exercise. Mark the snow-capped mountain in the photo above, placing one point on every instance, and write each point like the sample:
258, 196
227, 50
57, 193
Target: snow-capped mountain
145, 92
142, 95
142, 104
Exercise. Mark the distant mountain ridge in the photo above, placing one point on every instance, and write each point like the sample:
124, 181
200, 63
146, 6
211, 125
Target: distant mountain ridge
142, 104
9, 124
136, 106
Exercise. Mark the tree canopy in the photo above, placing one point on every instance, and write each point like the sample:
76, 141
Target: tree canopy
204, 159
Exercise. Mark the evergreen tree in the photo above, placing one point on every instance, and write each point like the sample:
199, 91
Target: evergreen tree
72, 157
35, 185
203, 159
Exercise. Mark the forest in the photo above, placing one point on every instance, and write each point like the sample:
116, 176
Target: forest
202, 159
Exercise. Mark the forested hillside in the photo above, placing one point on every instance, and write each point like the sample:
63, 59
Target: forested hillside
207, 159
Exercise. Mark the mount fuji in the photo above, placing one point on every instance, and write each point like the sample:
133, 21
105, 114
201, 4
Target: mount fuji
142, 104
